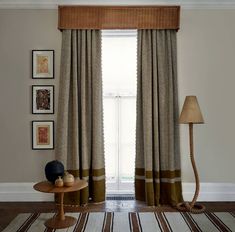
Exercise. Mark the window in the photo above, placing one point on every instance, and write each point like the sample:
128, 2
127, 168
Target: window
119, 61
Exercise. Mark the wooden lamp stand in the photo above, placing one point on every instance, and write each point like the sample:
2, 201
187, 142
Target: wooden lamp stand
191, 114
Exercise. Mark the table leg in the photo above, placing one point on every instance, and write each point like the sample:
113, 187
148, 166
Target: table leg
61, 207
60, 221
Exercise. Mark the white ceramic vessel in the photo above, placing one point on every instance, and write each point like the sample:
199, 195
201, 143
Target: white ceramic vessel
68, 179
59, 182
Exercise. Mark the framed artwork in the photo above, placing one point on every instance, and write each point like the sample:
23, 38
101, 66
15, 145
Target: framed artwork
43, 64
43, 99
42, 135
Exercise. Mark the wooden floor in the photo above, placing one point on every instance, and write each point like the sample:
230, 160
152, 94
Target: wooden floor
9, 210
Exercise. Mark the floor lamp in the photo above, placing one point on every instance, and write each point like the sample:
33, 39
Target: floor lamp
191, 114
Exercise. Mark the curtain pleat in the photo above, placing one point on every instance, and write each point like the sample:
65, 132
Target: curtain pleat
80, 145
157, 171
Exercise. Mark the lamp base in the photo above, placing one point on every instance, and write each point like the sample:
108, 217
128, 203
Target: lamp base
196, 208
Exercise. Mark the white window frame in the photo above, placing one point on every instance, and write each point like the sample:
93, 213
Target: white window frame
118, 186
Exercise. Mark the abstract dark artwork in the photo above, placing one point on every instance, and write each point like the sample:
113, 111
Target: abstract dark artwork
43, 99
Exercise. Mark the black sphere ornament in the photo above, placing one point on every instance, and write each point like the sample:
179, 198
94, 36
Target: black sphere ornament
53, 169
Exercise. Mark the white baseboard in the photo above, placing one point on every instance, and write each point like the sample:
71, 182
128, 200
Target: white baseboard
22, 192
210, 191
10, 192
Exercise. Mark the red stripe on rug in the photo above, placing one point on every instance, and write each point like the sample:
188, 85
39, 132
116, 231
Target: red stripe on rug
82, 223
108, 222
158, 222
190, 222
164, 224
25, 226
217, 222
134, 222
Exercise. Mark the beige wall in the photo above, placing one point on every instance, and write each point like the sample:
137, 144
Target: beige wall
206, 64
20, 32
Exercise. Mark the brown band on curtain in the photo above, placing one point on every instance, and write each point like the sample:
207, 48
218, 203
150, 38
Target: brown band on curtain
158, 174
165, 183
119, 17
155, 194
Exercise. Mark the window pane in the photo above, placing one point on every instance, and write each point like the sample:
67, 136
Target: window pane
119, 61
127, 138
110, 138
119, 56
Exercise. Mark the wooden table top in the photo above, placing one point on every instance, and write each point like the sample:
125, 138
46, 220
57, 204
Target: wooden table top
48, 187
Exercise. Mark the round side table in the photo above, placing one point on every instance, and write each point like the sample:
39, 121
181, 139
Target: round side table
60, 221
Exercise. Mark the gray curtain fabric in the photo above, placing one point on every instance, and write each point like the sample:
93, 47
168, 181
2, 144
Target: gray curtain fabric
157, 172
80, 144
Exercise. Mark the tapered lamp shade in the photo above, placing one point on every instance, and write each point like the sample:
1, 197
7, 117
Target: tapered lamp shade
191, 112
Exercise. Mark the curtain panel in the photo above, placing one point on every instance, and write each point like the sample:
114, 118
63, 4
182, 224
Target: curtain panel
80, 145
157, 172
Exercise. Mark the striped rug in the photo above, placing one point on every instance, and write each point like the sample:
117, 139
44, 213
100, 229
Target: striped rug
130, 221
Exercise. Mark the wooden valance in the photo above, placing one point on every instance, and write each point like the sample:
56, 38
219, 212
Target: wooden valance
119, 17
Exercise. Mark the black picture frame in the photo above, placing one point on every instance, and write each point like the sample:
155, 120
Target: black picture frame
43, 99
43, 135
43, 66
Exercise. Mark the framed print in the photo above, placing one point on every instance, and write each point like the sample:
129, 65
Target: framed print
43, 64
42, 135
43, 99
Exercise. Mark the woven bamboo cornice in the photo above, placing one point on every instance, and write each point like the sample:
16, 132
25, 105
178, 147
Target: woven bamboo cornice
119, 17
